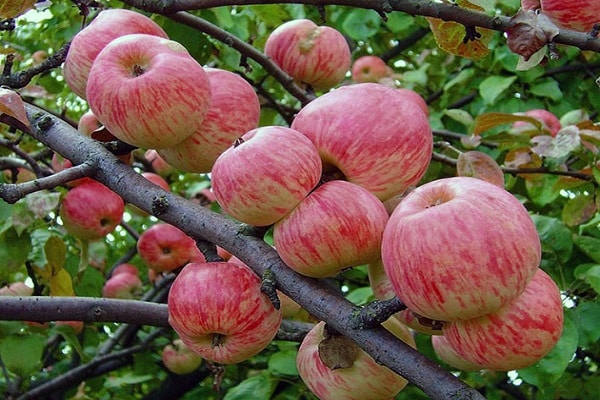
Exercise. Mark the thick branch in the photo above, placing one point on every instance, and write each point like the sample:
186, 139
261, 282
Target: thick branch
314, 295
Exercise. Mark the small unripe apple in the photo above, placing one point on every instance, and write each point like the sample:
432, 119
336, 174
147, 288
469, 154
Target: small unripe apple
178, 359
313, 55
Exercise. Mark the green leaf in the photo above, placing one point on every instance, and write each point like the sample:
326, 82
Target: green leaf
22, 354
257, 387
399, 22
556, 238
126, 379
590, 273
14, 250
42, 202
361, 24
542, 189
579, 210
490, 120
589, 245
493, 86
586, 316
549, 369
90, 283
70, 337
547, 88
56, 253
361, 295
283, 363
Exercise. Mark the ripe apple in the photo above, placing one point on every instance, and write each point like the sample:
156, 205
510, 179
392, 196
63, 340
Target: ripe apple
178, 359
59, 163
265, 175
313, 55
122, 286
87, 43
416, 98
383, 290
157, 180
363, 379
446, 353
164, 247
88, 123
220, 313
125, 268
90, 211
370, 135
550, 122
516, 336
338, 225
234, 110
16, 289
369, 69
158, 164
148, 91
459, 248
578, 15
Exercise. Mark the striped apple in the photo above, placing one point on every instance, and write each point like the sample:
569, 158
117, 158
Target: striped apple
459, 248
370, 135
220, 313
579, 15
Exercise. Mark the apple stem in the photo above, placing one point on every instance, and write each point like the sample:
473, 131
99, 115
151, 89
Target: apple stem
217, 340
138, 70
376, 312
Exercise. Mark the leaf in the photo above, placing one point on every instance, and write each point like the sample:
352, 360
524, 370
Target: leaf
542, 188
529, 32
361, 24
565, 142
556, 238
547, 88
578, 210
493, 86
283, 363
71, 337
590, 246
487, 121
257, 387
42, 202
22, 354
61, 284
12, 105
477, 164
56, 254
590, 273
126, 379
549, 369
586, 316
522, 158
14, 250
360, 296
460, 116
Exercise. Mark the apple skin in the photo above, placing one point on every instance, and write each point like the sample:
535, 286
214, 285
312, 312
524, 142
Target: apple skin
369, 69
339, 225
263, 178
90, 210
447, 354
157, 180
148, 91
122, 286
178, 359
375, 137
580, 15
416, 98
220, 313
459, 248
87, 43
234, 110
518, 335
125, 268
549, 121
158, 164
16, 289
383, 290
76, 326
313, 55
164, 247
364, 380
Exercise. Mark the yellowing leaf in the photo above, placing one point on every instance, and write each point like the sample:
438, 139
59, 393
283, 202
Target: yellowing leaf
12, 105
61, 284
14, 8
56, 254
479, 165
487, 121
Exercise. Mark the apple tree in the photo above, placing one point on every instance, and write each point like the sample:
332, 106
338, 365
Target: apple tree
232, 199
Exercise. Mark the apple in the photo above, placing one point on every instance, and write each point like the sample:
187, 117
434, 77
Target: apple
125, 268
357, 376
157, 180
220, 313
234, 110
369, 69
369, 135
318, 56
76, 326
265, 175
59, 163
550, 122
158, 164
148, 91
164, 247
178, 359
122, 286
338, 225
516, 336
383, 290
416, 98
88, 123
90, 211
459, 248
87, 43
580, 15
39, 56
22, 175
16, 289
447, 354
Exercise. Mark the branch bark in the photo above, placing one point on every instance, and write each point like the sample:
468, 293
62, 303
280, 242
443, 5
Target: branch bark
318, 298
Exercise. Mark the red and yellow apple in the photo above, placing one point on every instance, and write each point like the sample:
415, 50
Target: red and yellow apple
87, 43
447, 354
148, 91
220, 313
338, 225
370, 135
369, 69
178, 359
123, 285
459, 248
318, 56
265, 175
234, 110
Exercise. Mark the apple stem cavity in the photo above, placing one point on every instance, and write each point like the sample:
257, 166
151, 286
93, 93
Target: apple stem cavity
138, 70
217, 340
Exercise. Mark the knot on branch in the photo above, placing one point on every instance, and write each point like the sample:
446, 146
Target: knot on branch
268, 286
160, 205
376, 312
